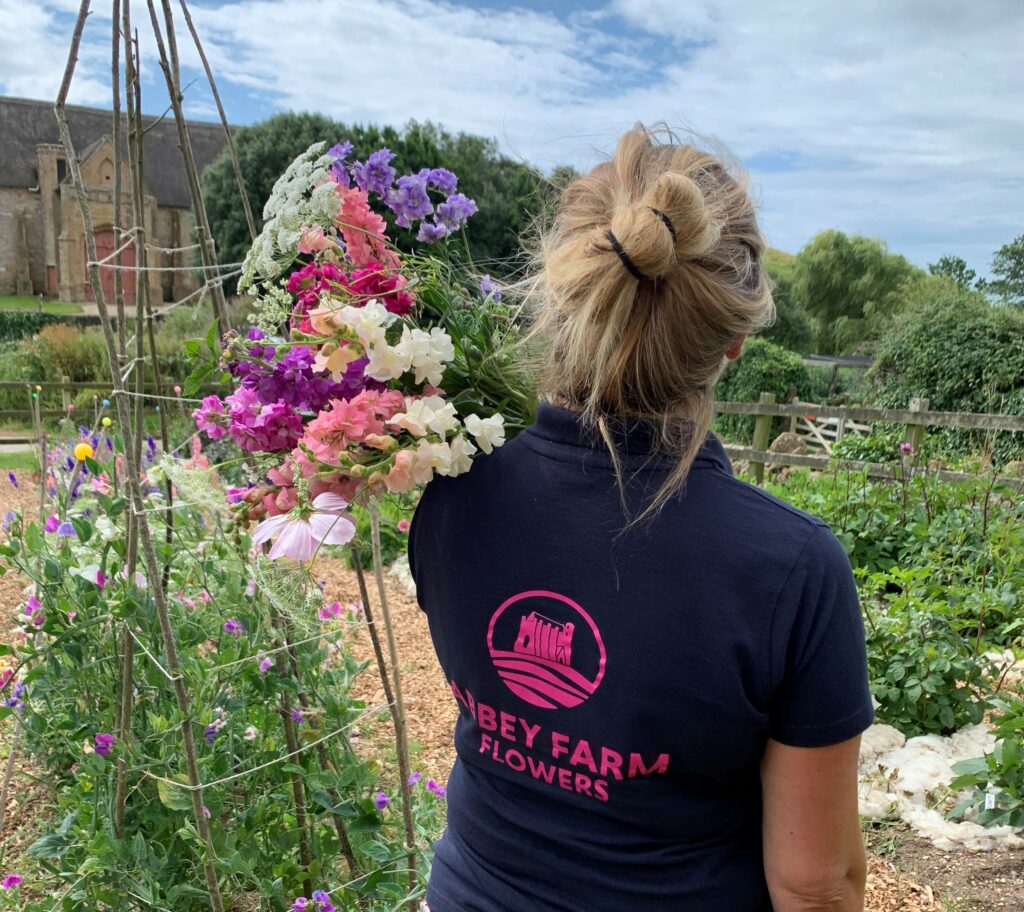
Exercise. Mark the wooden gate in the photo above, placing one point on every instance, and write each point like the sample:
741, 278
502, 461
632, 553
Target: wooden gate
105, 247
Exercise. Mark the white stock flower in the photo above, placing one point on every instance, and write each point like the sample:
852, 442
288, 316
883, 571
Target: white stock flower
489, 432
462, 455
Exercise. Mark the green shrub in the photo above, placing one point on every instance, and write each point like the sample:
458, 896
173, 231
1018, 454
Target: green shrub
963, 356
999, 774
924, 675
21, 324
763, 367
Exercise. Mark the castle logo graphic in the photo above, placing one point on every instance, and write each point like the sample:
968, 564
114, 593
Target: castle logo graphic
546, 649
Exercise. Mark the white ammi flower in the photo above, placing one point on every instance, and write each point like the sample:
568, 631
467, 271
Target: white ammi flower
489, 432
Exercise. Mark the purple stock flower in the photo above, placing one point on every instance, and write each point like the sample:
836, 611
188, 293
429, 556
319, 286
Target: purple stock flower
377, 175
262, 428
381, 801
66, 530
234, 627
102, 743
489, 287
13, 479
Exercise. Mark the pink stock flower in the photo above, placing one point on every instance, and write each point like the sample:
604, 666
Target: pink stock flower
299, 536
211, 417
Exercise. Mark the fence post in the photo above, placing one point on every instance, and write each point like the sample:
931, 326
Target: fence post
65, 393
914, 434
762, 433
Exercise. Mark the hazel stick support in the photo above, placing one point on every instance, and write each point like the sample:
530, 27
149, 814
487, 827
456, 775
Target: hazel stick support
132, 479
389, 695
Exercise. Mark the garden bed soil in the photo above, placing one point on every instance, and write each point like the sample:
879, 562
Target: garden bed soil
904, 874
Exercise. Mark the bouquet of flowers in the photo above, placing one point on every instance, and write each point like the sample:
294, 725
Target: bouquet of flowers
349, 383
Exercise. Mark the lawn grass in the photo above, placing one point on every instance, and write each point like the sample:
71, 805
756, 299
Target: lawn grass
19, 461
28, 302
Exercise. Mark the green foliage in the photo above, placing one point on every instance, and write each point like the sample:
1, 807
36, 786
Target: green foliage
762, 367
1008, 269
70, 671
963, 356
996, 780
506, 191
18, 324
849, 286
395, 511
955, 269
923, 674
793, 327
37, 304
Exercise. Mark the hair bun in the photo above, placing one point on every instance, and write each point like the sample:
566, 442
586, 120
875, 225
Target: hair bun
671, 224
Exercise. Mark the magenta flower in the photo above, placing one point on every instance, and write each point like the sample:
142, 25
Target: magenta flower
101, 580
414, 778
403, 525
381, 801
32, 606
906, 448
299, 534
265, 665
52, 523
11, 881
235, 627
211, 417
102, 743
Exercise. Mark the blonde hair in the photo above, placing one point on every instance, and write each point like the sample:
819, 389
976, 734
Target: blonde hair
618, 347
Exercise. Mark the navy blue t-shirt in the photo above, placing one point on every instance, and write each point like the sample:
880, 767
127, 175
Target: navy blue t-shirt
616, 691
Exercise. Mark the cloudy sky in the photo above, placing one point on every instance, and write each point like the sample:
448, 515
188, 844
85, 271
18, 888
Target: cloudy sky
899, 119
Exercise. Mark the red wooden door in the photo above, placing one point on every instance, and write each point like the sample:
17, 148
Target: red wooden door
105, 247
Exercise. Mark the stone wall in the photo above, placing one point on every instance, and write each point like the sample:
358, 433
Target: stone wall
20, 217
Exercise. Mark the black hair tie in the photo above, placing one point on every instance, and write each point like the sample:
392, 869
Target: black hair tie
666, 220
622, 255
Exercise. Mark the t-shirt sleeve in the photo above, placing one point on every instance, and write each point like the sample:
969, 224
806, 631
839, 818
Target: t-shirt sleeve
820, 692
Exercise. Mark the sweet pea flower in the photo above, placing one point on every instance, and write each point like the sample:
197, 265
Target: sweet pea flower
11, 881
300, 534
13, 479
489, 287
296, 715
489, 432
52, 522
414, 778
381, 801
251, 733
265, 665
102, 742
66, 530
235, 627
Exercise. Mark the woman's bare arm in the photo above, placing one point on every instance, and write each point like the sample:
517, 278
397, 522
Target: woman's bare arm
813, 850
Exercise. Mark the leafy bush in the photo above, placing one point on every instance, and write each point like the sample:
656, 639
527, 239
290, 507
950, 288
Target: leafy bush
68, 351
762, 367
924, 675
21, 324
963, 356
997, 779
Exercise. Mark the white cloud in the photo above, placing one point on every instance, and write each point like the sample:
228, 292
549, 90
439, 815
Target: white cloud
899, 120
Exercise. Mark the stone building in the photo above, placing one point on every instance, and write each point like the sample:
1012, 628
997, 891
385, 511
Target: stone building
42, 241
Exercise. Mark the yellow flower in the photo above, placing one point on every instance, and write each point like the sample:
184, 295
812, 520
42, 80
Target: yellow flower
83, 451
107, 422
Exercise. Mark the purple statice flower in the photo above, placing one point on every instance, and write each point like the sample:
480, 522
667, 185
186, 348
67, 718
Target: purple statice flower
235, 627
102, 742
489, 287
429, 232
409, 201
11, 881
414, 778
9, 517
455, 211
381, 801
377, 175
265, 665
52, 522
296, 715
66, 530
13, 479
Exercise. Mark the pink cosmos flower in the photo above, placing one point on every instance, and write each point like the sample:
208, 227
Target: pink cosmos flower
299, 536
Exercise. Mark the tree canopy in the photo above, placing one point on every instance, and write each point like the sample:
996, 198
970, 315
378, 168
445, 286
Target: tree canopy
1008, 269
849, 285
507, 192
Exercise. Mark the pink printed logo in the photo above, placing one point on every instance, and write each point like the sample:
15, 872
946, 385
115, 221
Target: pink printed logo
546, 649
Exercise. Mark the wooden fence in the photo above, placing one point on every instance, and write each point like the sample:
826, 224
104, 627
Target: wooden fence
916, 418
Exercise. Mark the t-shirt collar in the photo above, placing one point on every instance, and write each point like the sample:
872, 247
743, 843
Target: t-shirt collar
632, 439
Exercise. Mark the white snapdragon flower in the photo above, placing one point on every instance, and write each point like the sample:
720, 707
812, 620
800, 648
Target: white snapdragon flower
462, 451
489, 432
